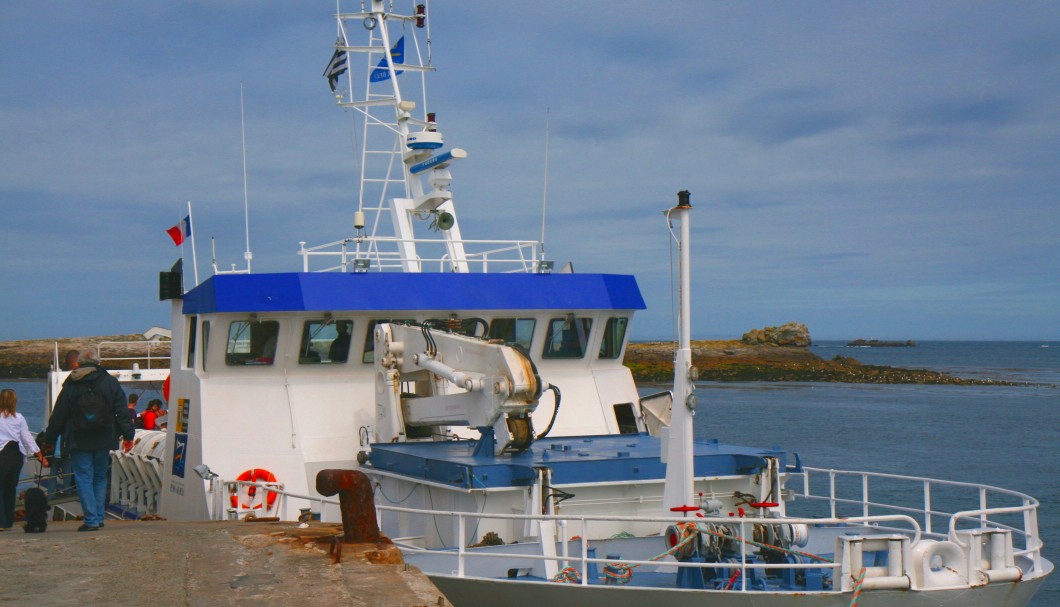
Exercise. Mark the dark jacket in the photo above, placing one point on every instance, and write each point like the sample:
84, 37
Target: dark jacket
78, 382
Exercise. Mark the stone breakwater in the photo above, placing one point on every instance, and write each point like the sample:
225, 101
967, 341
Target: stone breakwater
650, 362
736, 361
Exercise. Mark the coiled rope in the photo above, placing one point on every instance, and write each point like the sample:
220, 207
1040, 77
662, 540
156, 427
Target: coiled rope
767, 546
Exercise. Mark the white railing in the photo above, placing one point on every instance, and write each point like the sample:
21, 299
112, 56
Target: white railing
150, 356
906, 517
982, 514
351, 255
584, 523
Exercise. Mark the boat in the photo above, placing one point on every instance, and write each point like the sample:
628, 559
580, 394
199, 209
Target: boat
511, 455
141, 367
879, 343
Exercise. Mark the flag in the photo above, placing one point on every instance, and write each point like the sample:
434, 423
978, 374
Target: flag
337, 66
180, 232
397, 56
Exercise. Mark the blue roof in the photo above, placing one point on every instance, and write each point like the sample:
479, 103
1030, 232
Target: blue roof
370, 291
573, 460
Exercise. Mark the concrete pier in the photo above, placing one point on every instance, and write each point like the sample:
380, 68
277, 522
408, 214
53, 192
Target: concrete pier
195, 564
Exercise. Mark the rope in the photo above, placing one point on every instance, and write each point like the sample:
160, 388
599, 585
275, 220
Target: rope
767, 546
622, 573
569, 575
857, 588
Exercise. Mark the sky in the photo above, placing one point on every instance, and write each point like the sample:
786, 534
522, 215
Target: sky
873, 169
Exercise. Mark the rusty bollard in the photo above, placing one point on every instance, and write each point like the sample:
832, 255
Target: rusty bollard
355, 503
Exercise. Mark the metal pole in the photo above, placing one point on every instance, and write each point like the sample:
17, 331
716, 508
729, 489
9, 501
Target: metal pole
678, 490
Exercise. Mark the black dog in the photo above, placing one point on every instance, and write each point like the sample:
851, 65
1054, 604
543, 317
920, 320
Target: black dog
36, 511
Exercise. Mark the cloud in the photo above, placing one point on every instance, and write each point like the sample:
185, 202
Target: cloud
890, 164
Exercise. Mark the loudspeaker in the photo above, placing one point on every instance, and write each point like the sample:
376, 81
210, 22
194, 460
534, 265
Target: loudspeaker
445, 220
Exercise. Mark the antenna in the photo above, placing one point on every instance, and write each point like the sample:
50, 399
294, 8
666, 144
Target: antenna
544, 193
246, 202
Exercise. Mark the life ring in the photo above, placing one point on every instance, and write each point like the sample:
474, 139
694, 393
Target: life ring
254, 475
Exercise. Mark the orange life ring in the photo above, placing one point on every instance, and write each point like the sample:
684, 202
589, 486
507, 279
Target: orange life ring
254, 475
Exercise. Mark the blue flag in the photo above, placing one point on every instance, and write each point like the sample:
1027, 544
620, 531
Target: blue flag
397, 57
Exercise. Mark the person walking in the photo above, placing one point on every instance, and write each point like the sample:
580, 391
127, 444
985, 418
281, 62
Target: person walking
91, 412
16, 443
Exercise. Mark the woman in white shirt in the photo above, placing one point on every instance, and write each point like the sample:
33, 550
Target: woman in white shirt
15, 444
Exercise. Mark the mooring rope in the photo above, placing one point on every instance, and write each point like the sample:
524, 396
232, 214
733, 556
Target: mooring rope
622, 573
857, 587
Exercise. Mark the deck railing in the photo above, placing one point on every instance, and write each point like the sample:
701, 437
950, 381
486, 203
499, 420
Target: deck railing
151, 357
983, 515
564, 559
366, 255
913, 522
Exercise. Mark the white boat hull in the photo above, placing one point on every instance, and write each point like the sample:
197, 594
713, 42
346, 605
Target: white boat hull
475, 592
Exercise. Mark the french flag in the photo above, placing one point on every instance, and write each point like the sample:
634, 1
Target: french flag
180, 232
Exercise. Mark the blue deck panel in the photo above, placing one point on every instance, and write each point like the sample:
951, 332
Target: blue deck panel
573, 460
393, 291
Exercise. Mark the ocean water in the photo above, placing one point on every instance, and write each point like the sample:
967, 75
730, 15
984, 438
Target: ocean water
997, 435
1024, 361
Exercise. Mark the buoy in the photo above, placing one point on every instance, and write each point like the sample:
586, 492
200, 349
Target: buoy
254, 475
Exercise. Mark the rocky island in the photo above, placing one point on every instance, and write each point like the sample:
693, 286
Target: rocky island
770, 354
775, 354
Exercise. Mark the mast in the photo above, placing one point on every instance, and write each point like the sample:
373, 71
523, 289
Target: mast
679, 462
404, 185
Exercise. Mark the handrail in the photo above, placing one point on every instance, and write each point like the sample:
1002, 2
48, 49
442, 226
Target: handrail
1029, 507
462, 554
916, 531
519, 254
149, 357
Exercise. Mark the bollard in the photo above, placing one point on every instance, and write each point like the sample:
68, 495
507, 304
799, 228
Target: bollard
355, 503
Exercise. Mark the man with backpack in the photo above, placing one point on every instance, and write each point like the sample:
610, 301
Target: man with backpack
91, 413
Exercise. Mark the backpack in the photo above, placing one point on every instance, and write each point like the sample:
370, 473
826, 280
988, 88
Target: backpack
91, 411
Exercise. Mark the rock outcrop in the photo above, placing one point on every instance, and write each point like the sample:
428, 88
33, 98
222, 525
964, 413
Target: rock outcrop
791, 334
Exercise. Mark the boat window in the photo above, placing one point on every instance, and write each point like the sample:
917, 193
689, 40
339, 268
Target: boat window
513, 331
252, 342
614, 335
567, 337
194, 323
626, 418
205, 341
472, 327
325, 341
369, 339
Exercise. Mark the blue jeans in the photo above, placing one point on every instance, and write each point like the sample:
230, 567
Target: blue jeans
90, 471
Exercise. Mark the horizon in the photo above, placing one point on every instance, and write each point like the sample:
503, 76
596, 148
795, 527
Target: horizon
869, 170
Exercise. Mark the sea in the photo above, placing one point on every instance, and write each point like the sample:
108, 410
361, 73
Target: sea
1005, 436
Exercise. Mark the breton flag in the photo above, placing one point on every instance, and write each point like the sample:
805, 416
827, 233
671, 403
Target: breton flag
397, 57
180, 232
336, 67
